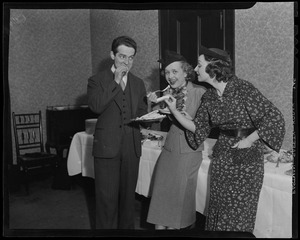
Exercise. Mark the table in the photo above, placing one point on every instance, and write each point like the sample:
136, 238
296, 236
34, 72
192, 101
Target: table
274, 214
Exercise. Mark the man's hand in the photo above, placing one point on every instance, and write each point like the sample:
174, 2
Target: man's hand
120, 73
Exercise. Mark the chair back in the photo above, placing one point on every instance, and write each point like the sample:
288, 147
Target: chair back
28, 131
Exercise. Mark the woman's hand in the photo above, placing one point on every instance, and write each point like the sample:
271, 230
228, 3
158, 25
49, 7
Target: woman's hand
248, 141
244, 143
171, 102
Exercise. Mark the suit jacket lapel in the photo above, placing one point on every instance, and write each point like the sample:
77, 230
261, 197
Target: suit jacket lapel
109, 76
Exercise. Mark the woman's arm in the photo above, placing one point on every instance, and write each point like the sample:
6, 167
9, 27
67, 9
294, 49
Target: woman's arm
266, 117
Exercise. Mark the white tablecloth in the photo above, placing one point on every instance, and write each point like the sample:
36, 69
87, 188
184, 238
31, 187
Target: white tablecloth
274, 214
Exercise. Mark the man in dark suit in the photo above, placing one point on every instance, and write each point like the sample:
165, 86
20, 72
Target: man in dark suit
117, 96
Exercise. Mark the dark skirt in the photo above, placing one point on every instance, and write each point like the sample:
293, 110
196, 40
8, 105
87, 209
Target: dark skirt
235, 187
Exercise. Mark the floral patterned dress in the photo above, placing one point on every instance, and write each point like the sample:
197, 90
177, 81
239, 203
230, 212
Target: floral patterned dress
235, 184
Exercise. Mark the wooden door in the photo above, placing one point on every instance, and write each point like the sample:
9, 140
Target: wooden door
183, 31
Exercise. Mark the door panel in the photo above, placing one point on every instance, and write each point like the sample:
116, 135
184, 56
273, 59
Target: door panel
184, 30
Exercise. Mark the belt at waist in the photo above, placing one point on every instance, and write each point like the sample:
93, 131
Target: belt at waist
238, 132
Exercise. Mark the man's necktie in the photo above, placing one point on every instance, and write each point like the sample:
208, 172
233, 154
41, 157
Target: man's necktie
122, 84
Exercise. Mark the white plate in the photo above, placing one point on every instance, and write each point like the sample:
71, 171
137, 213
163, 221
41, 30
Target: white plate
148, 119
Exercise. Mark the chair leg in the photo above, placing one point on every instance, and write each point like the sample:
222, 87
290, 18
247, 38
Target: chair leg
26, 180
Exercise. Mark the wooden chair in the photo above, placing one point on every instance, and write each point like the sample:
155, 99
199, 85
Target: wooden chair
28, 132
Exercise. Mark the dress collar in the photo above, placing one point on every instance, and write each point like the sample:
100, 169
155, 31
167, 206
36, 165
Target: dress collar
230, 87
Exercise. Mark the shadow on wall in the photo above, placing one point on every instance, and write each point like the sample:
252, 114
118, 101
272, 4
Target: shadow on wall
104, 64
152, 81
81, 100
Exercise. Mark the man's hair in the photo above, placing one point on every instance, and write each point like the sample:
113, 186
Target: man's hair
123, 40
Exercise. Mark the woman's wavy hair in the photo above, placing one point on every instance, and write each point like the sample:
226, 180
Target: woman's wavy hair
189, 70
220, 69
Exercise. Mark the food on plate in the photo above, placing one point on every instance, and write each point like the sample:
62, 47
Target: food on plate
154, 115
283, 156
273, 157
153, 137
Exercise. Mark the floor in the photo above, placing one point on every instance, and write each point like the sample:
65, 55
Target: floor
51, 208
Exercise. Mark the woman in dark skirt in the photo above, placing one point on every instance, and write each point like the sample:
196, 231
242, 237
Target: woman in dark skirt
247, 120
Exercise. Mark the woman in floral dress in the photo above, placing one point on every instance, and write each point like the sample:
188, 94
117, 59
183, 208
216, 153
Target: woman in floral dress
247, 120
174, 181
